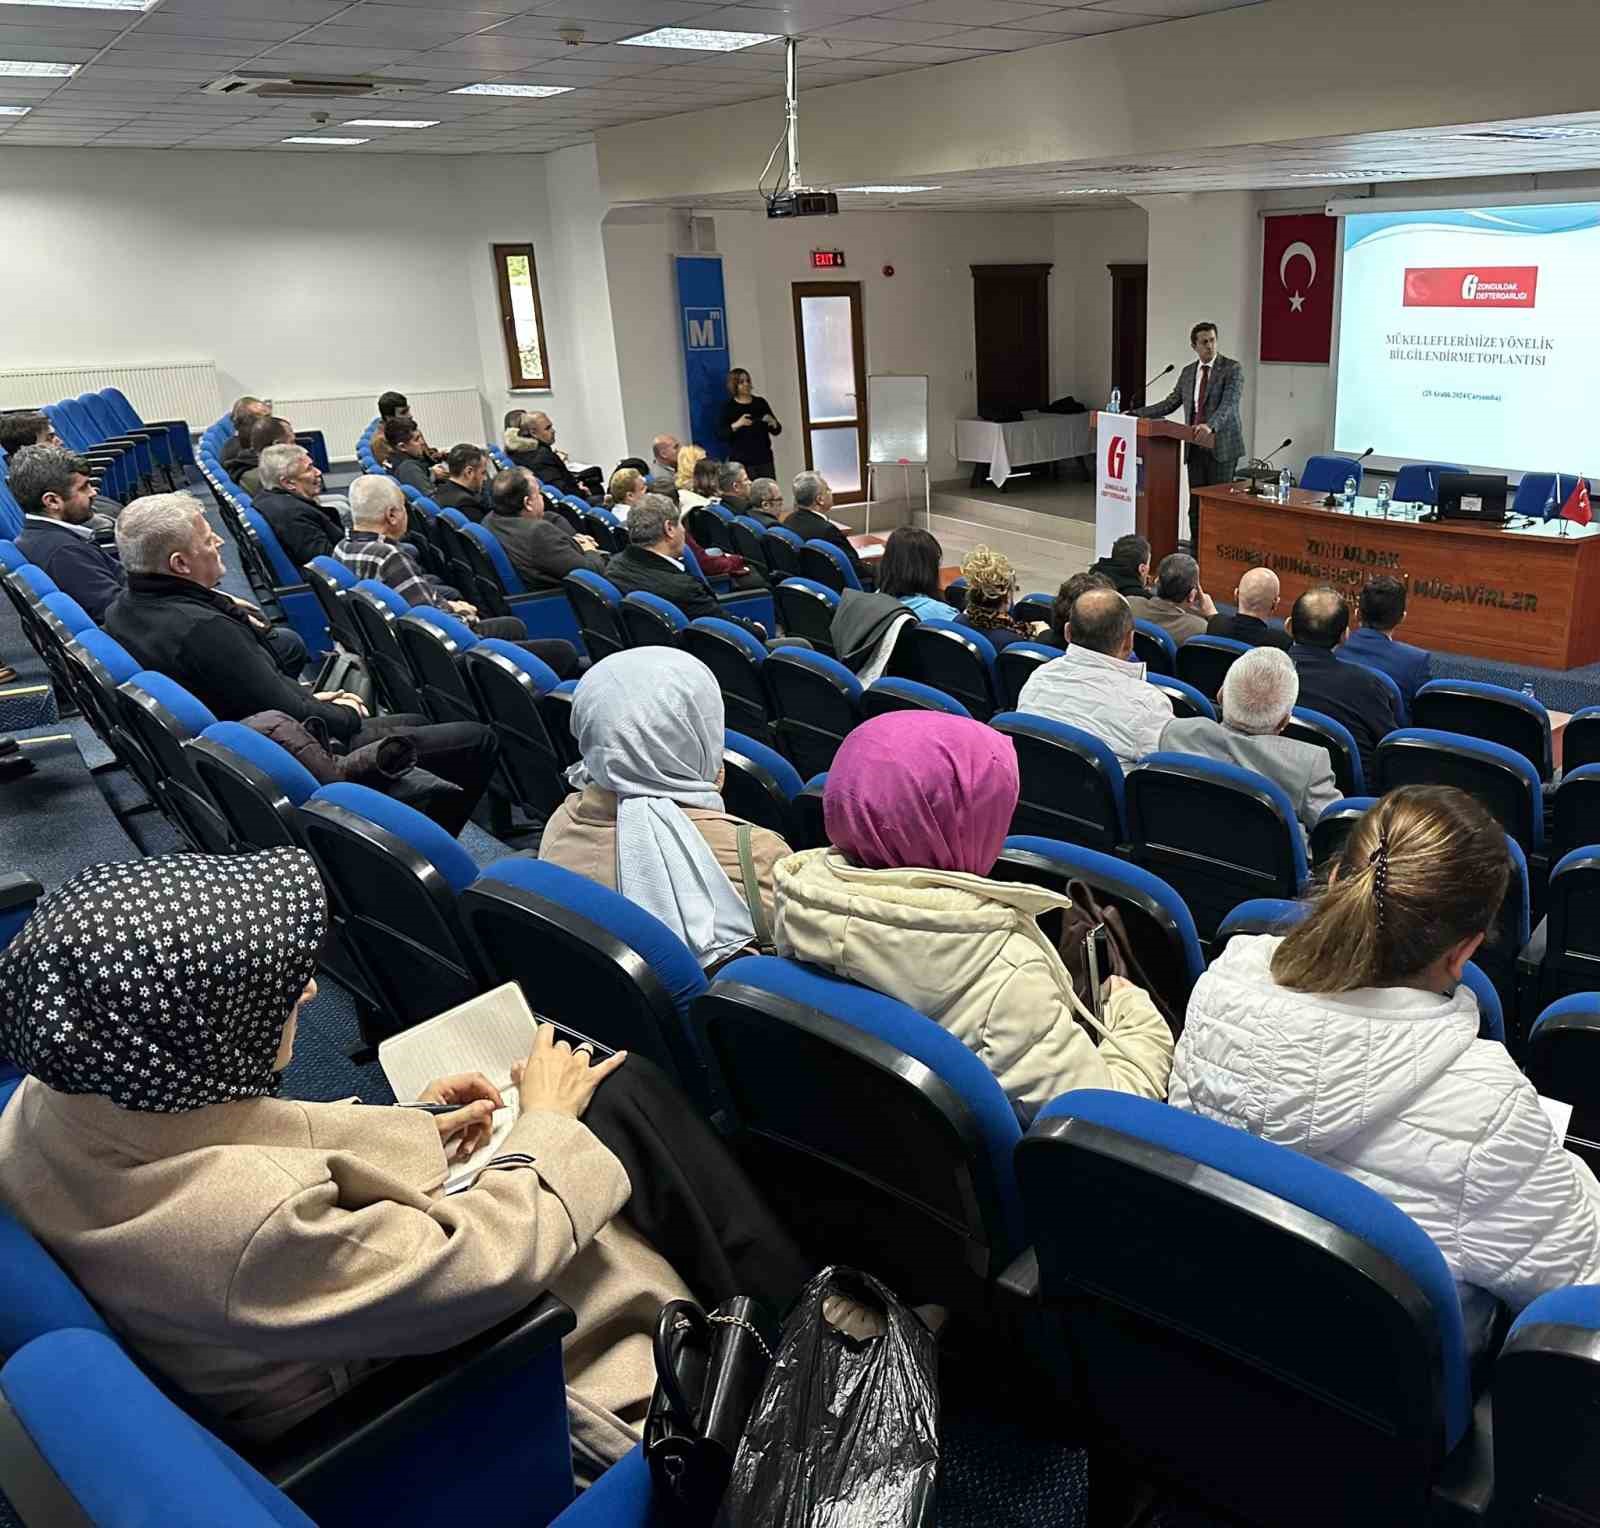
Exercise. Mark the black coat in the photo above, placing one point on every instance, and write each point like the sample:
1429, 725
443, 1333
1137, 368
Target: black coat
1248, 628
304, 528
1349, 693
808, 525
636, 569
450, 495
204, 642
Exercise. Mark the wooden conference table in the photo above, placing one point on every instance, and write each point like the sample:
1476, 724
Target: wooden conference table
1518, 596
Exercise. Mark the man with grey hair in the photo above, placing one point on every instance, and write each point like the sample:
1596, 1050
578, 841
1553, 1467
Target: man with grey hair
766, 502
808, 519
1258, 699
1256, 598
244, 413
173, 619
374, 550
733, 487
653, 562
1180, 607
56, 493
1096, 686
530, 441
305, 527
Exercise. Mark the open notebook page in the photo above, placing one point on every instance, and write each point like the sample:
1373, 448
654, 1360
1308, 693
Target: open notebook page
488, 1034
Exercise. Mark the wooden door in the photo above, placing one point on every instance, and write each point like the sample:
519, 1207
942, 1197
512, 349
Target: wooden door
1011, 322
1129, 286
832, 357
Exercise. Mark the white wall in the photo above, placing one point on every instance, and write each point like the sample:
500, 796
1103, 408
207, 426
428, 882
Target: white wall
920, 320
644, 320
305, 275
1086, 243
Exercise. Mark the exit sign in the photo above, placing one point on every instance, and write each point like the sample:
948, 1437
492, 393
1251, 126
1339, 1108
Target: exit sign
827, 259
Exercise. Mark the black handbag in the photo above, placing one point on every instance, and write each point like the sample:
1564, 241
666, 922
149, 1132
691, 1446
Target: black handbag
710, 1369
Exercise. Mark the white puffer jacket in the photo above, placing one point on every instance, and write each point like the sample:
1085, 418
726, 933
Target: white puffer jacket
1392, 1086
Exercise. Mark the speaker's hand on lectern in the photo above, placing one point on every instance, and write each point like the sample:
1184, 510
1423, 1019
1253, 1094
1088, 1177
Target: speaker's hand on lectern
1204, 435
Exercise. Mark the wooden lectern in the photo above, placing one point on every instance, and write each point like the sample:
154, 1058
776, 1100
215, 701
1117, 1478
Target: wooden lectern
1158, 514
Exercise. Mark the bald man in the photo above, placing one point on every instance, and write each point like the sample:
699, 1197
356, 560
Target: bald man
1257, 598
1348, 692
530, 441
664, 462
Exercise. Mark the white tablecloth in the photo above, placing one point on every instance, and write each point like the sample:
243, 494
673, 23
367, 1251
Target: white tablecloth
1033, 438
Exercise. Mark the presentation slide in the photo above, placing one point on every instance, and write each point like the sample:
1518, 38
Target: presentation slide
1471, 336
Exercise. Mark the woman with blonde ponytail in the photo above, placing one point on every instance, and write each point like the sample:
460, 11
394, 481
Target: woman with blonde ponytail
1352, 1040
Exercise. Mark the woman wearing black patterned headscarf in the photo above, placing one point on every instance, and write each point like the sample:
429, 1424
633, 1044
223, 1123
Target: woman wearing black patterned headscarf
263, 1252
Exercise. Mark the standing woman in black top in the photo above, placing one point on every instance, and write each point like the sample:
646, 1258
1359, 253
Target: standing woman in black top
748, 425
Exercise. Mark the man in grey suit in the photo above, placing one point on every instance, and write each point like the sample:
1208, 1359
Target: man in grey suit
1258, 697
1210, 392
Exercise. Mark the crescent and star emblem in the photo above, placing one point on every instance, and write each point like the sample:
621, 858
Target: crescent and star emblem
1297, 250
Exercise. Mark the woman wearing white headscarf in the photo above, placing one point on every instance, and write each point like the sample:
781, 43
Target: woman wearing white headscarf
649, 820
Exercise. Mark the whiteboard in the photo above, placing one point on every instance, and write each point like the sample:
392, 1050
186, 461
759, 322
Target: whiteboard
897, 420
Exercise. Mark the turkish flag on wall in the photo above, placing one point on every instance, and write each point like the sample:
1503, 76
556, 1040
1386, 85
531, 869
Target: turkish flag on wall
1297, 288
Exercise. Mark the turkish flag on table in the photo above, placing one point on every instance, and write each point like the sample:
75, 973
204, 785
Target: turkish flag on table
1297, 287
1577, 505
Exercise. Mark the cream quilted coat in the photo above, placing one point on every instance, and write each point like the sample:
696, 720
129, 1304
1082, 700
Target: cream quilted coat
968, 952
1393, 1086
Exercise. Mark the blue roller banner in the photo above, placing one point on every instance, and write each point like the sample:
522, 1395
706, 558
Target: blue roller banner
703, 323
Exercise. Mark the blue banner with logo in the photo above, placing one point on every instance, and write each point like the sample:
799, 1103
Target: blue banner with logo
703, 325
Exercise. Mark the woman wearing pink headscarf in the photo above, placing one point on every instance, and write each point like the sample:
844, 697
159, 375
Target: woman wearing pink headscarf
917, 807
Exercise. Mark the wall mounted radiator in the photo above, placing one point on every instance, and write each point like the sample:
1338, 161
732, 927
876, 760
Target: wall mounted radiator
178, 390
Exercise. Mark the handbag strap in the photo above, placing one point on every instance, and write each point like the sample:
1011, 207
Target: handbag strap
752, 890
675, 1322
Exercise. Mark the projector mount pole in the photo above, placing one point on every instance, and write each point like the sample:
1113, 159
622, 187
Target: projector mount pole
791, 108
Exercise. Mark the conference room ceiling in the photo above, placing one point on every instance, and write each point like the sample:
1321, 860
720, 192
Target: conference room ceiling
141, 73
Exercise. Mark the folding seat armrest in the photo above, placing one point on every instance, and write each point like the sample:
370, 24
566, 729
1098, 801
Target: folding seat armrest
1465, 1487
1020, 1282
412, 1396
18, 890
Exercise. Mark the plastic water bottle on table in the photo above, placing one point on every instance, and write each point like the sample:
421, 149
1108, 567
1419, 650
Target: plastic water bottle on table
1350, 493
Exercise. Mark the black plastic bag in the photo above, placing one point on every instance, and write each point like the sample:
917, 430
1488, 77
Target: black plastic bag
846, 1432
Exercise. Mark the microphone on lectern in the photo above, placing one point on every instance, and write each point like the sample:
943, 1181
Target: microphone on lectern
1159, 375
1365, 454
1288, 440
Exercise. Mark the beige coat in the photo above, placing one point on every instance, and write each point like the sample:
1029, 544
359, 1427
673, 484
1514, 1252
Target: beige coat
265, 1254
581, 836
969, 953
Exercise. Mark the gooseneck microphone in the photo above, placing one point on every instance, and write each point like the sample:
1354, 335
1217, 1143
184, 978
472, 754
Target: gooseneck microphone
1288, 440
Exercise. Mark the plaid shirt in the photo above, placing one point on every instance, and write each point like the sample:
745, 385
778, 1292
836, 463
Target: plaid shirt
368, 555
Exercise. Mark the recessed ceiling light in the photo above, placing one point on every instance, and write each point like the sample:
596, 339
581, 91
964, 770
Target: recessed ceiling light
512, 90
1090, 191
28, 69
1526, 134
15, 111
888, 190
697, 38
392, 122
1346, 174
338, 142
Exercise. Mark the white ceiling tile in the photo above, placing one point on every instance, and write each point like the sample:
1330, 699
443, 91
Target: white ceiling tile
878, 30
1092, 21
332, 60
649, 13
998, 39
924, 55
1170, 8
233, 28
969, 13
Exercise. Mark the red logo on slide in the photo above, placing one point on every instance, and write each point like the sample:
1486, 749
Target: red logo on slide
1116, 458
1471, 286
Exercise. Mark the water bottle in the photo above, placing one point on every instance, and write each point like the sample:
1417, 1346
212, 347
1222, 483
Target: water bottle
1285, 482
1527, 690
1383, 498
1550, 510
1115, 406
1350, 493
